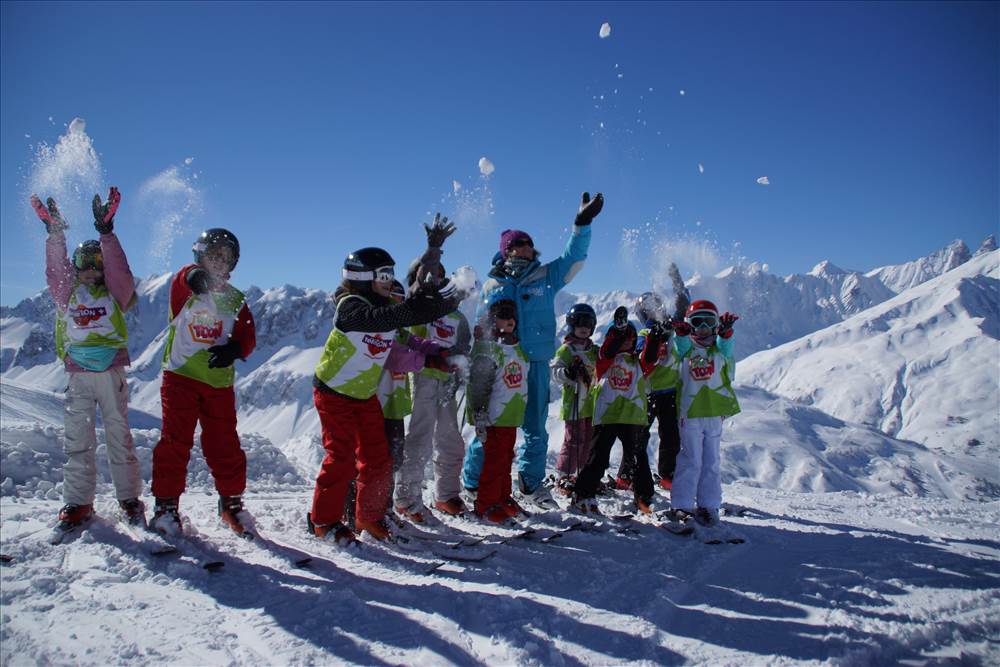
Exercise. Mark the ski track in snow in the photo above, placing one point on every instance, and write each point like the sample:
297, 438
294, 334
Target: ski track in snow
842, 578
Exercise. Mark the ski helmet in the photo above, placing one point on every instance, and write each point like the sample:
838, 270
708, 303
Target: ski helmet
213, 238
88, 256
369, 264
581, 315
702, 313
650, 308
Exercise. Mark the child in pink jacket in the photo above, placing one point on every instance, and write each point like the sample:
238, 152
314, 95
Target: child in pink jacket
91, 295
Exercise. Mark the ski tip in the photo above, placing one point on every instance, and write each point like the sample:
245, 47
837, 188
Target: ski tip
303, 562
213, 566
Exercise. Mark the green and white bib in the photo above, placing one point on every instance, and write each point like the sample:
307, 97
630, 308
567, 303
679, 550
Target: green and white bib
584, 397
509, 394
204, 321
352, 361
394, 389
706, 384
92, 319
444, 332
621, 393
666, 374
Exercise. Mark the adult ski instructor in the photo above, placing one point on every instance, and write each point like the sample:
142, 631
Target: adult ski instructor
518, 275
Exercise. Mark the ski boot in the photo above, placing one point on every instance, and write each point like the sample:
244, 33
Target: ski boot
71, 517
336, 532
514, 510
166, 517
496, 514
134, 512
585, 505
453, 507
706, 517
415, 513
382, 529
233, 515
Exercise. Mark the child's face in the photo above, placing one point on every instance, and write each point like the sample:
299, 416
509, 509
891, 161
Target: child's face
90, 277
582, 332
383, 289
506, 325
217, 261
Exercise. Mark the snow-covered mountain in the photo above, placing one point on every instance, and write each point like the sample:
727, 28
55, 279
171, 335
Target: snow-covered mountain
921, 366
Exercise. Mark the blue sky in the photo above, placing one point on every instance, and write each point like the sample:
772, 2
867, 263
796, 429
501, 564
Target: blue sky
319, 128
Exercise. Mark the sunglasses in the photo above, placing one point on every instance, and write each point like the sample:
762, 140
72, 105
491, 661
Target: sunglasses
704, 321
84, 262
520, 243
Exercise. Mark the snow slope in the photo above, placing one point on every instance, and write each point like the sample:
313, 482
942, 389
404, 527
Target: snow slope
922, 366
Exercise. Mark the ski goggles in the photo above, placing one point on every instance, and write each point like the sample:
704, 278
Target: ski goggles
384, 274
584, 321
706, 321
90, 261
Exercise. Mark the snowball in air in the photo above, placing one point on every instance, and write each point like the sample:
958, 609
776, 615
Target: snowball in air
682, 92
486, 167
455, 186
188, 160
77, 126
701, 168
763, 180
605, 31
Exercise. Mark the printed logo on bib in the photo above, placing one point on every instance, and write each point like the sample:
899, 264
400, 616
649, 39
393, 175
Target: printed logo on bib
443, 330
513, 375
377, 345
205, 328
83, 315
702, 368
619, 378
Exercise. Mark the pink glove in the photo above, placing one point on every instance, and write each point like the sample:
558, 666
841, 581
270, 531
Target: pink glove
50, 216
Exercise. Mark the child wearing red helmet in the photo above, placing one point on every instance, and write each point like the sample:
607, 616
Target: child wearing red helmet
703, 348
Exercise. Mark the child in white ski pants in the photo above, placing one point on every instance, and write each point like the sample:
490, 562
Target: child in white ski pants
109, 390
697, 479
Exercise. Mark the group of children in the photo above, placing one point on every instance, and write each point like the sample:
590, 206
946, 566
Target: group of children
394, 351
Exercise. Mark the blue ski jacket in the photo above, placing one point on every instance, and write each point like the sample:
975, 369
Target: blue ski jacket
534, 292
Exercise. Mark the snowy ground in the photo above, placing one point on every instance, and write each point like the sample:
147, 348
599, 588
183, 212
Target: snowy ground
840, 578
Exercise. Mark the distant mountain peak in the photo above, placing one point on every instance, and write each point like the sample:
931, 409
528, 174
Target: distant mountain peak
827, 268
989, 244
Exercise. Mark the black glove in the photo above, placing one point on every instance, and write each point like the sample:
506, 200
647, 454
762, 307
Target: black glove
589, 208
104, 214
223, 356
197, 280
439, 231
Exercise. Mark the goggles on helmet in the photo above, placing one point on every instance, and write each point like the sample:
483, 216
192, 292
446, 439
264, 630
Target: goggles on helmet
703, 321
84, 261
384, 274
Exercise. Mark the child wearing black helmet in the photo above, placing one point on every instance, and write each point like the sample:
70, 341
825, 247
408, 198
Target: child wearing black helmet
346, 380
91, 295
574, 367
210, 328
497, 397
